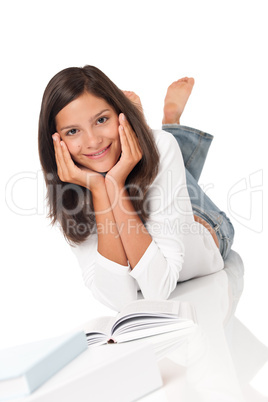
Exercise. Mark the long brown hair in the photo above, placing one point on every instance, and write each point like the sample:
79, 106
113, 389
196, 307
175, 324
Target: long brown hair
69, 204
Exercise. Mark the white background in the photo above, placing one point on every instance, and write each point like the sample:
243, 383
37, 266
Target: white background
142, 46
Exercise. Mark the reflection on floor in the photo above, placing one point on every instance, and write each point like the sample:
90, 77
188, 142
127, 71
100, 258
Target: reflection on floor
222, 357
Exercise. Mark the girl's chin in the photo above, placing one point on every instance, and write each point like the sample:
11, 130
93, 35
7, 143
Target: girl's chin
99, 169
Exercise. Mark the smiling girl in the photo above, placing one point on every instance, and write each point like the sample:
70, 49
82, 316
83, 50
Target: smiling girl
127, 197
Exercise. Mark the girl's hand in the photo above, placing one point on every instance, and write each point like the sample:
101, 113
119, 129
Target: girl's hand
69, 172
131, 152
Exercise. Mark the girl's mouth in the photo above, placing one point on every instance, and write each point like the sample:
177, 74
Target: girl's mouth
100, 153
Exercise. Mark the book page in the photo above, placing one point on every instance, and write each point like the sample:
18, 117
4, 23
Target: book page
187, 311
137, 323
146, 316
151, 331
141, 318
97, 325
140, 307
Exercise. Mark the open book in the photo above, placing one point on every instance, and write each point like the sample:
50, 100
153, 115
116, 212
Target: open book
141, 319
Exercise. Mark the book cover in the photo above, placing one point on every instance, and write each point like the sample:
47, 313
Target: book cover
114, 373
24, 368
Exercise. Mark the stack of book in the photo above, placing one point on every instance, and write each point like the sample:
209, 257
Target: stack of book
109, 357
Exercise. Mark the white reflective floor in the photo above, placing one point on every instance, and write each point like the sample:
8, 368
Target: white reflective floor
222, 358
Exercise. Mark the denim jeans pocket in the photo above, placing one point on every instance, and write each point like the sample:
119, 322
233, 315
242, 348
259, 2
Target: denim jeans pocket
222, 226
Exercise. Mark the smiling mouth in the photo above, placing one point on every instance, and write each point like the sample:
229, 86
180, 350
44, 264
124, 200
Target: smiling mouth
98, 154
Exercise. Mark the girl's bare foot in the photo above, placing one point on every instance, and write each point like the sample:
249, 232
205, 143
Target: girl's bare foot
134, 98
176, 98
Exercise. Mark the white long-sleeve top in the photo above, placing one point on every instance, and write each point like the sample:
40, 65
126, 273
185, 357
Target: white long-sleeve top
180, 249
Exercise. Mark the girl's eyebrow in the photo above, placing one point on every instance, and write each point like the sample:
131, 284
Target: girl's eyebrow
98, 114
91, 119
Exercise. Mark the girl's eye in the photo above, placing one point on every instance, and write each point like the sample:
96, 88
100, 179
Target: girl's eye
72, 131
102, 120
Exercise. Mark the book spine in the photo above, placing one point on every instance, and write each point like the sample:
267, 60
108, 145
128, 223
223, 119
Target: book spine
111, 340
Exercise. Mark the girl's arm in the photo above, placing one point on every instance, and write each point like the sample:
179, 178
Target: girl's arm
155, 258
109, 242
101, 257
134, 236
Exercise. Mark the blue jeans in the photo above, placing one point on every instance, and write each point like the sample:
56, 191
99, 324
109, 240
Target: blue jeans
194, 145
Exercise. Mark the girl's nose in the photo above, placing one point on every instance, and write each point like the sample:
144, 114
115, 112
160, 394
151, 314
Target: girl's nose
92, 140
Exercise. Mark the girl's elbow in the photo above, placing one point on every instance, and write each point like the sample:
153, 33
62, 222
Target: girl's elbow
160, 290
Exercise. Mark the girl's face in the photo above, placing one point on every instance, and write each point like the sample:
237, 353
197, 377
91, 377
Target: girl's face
89, 127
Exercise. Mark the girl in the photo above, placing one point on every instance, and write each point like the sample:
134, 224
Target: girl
127, 197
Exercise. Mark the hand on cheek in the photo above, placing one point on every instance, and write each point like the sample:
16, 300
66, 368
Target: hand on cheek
131, 152
69, 172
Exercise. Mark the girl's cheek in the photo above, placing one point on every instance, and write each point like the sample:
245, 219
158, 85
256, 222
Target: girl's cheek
72, 146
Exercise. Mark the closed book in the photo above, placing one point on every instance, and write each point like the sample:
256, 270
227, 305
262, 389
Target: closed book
24, 368
114, 373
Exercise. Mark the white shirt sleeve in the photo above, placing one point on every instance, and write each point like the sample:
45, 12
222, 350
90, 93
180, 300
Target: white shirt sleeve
109, 282
157, 272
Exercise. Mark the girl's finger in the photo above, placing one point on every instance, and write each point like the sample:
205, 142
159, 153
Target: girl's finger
56, 155
62, 168
132, 138
69, 167
66, 156
124, 141
130, 135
